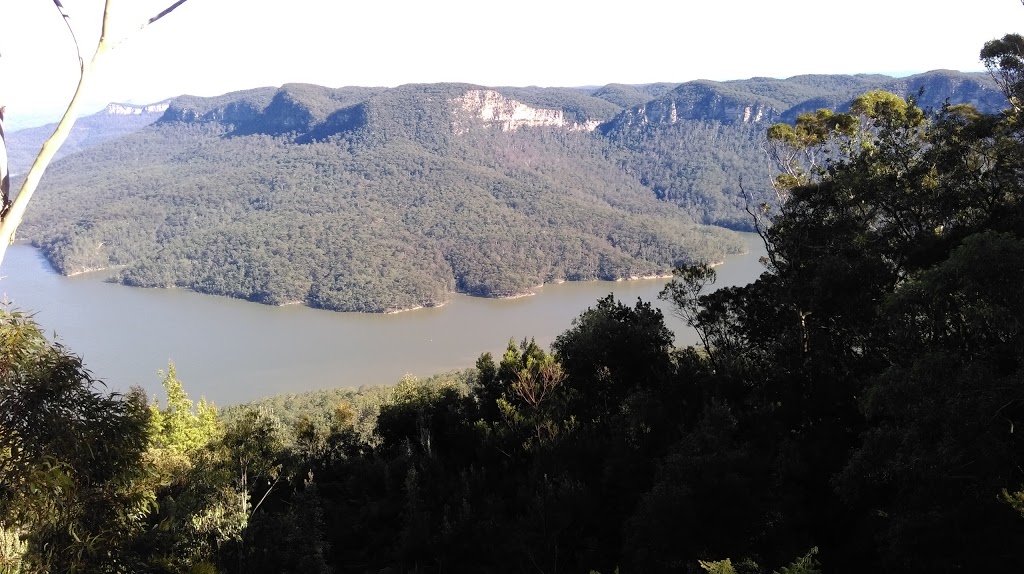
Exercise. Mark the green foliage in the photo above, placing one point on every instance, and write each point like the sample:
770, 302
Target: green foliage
717, 566
347, 407
684, 290
1004, 59
611, 351
806, 564
70, 459
389, 209
423, 419
795, 149
526, 394
179, 427
1015, 500
882, 350
882, 106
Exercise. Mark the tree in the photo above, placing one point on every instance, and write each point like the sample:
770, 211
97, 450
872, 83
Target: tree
876, 366
178, 427
942, 445
1004, 59
71, 458
187, 490
611, 351
13, 211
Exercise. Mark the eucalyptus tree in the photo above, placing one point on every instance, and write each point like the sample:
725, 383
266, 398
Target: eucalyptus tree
72, 492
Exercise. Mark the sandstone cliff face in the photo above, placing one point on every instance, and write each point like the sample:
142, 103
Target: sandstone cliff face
116, 109
507, 114
695, 101
712, 108
234, 113
234, 109
932, 89
767, 100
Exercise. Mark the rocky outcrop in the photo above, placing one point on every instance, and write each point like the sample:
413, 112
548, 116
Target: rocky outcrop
768, 100
231, 109
932, 89
117, 109
494, 109
701, 101
233, 114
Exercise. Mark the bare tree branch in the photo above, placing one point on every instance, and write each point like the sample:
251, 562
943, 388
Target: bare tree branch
12, 213
67, 22
163, 13
760, 226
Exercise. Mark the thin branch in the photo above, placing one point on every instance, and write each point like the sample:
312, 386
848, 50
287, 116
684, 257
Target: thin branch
11, 214
163, 13
254, 508
759, 225
67, 22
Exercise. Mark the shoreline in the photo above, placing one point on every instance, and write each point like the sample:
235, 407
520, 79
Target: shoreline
509, 297
397, 311
645, 277
85, 271
532, 292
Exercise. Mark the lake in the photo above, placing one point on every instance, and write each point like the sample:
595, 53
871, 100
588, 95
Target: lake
232, 351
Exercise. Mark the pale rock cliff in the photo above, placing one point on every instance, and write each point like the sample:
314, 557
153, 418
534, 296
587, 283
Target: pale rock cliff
116, 109
695, 102
509, 115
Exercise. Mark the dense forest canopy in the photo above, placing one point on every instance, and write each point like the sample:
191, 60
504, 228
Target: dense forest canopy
375, 199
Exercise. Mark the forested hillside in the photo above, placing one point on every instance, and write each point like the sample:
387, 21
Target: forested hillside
374, 199
114, 121
388, 203
699, 143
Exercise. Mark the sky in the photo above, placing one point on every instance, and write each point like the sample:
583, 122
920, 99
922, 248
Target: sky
210, 47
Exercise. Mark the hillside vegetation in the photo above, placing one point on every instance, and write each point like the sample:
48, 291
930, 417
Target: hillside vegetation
115, 121
374, 199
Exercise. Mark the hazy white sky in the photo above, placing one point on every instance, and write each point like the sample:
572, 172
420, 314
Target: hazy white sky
208, 47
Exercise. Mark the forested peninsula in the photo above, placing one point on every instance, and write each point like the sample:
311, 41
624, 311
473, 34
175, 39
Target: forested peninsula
383, 199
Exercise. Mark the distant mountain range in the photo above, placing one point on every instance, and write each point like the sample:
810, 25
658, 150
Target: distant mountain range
381, 199
112, 122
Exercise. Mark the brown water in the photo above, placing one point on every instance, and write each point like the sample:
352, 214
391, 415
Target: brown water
232, 351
